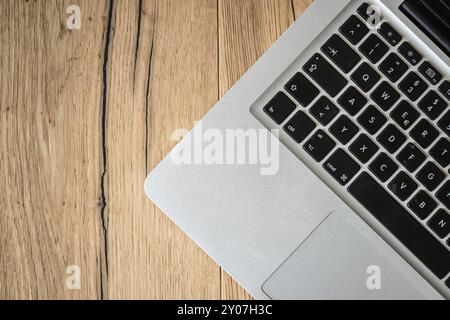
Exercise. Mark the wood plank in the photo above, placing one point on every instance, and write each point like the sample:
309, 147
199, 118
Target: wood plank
50, 85
172, 81
300, 6
246, 30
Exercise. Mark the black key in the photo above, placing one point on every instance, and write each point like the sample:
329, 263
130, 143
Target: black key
352, 101
279, 108
411, 157
402, 224
444, 123
344, 129
373, 48
302, 89
409, 53
430, 73
405, 115
422, 204
443, 195
341, 53
365, 77
385, 96
325, 75
366, 12
383, 167
393, 67
389, 34
341, 167
363, 148
319, 146
402, 186
430, 176
299, 127
324, 111
413, 86
441, 152
391, 138
424, 133
372, 119
440, 223
354, 30
432, 105
444, 88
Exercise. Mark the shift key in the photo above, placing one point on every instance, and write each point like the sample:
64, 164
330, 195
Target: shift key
325, 75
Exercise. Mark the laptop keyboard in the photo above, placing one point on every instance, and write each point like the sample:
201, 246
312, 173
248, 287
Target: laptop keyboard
395, 163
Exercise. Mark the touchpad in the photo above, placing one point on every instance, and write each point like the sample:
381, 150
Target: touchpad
345, 259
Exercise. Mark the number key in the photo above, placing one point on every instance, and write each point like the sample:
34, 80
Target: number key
393, 67
432, 105
373, 48
413, 86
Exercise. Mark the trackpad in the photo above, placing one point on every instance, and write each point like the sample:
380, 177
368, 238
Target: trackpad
345, 259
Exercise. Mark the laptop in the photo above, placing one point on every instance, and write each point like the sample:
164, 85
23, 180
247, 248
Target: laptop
324, 172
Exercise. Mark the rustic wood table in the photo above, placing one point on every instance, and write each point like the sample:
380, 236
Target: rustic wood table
86, 114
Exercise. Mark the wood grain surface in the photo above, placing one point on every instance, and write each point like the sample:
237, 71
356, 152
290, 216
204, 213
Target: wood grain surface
86, 114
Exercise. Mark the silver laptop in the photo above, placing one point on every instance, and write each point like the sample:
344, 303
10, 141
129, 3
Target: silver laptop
324, 172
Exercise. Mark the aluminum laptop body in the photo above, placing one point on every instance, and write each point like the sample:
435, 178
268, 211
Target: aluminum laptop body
303, 225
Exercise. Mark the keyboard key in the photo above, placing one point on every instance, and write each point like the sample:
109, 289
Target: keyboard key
372, 120
365, 77
325, 75
424, 133
393, 67
409, 53
302, 89
391, 138
411, 157
341, 167
430, 176
443, 195
279, 108
440, 223
365, 11
389, 34
319, 146
405, 115
444, 123
373, 48
354, 30
444, 88
413, 86
401, 224
432, 105
344, 129
299, 127
363, 148
383, 167
422, 205
324, 111
402, 186
385, 96
341, 53
430, 73
352, 101
441, 152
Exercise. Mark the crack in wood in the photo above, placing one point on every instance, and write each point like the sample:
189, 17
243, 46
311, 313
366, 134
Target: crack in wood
103, 202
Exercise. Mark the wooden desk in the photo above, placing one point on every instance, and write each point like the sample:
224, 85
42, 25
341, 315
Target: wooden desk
86, 114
